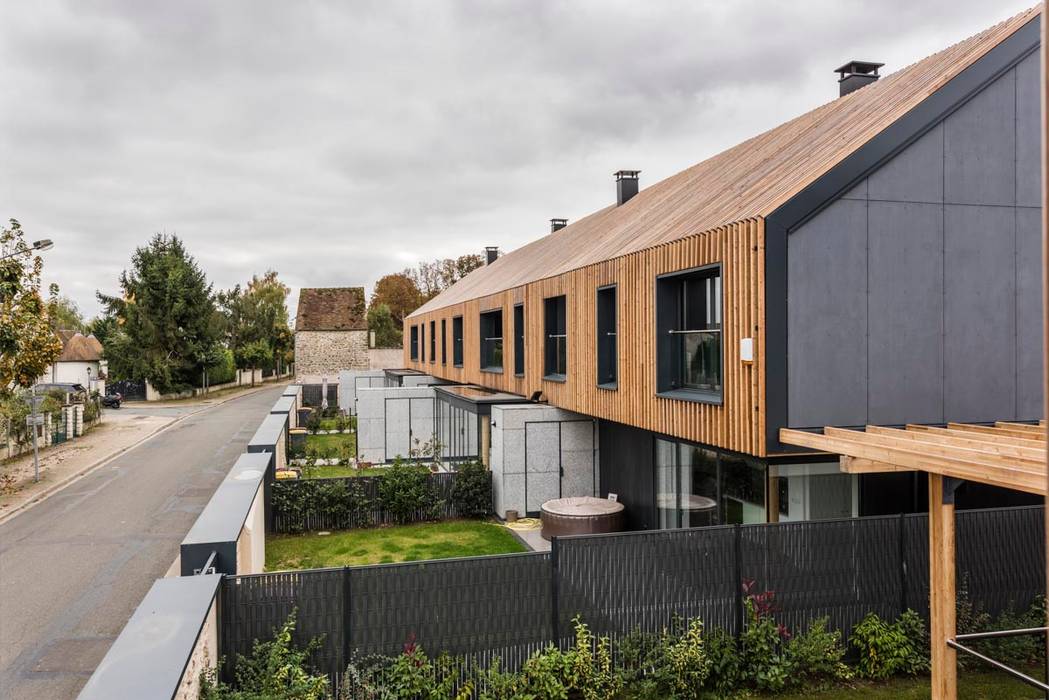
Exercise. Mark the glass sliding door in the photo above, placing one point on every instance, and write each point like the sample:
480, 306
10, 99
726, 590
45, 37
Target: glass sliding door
696, 487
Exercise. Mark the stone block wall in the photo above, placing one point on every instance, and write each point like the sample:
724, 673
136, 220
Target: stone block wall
540, 453
324, 353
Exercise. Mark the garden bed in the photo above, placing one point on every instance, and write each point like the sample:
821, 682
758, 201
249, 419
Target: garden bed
420, 541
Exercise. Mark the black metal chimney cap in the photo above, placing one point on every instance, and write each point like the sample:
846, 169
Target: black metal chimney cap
557, 224
858, 68
627, 174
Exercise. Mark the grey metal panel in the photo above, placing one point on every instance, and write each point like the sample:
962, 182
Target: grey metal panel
224, 515
398, 428
915, 175
269, 432
857, 192
149, 657
980, 147
979, 313
285, 404
905, 360
1029, 396
1028, 136
826, 347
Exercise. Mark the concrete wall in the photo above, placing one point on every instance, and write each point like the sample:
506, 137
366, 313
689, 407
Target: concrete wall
385, 358
251, 545
916, 297
351, 380
392, 421
205, 655
321, 354
532, 444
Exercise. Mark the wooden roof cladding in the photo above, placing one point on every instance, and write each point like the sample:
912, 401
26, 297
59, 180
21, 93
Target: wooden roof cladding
747, 181
1010, 455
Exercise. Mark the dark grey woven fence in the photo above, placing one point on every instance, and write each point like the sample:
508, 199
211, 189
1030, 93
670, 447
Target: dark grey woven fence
509, 606
311, 394
304, 505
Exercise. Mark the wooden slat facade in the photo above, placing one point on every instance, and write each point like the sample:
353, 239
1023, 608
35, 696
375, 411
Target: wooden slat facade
737, 424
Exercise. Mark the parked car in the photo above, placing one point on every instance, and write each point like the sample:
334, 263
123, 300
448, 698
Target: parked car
112, 400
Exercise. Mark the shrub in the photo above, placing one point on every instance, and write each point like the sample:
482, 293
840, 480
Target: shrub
405, 493
472, 491
760, 644
275, 669
887, 649
90, 411
725, 670
342, 501
313, 421
224, 369
814, 656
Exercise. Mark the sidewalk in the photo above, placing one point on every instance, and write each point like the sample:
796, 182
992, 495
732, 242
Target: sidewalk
119, 431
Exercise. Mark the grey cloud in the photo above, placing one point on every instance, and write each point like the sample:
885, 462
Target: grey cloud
339, 141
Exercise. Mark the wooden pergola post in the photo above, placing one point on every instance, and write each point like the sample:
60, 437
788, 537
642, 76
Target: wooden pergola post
942, 589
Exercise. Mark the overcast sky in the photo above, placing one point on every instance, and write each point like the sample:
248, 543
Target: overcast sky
339, 141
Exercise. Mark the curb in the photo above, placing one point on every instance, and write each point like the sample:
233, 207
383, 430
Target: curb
72, 478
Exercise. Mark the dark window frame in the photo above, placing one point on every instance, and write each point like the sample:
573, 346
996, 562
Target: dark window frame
670, 322
457, 341
444, 341
555, 328
519, 340
413, 343
433, 342
607, 340
492, 341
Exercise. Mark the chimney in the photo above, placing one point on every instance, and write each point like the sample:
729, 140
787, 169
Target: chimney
491, 254
626, 185
557, 224
855, 74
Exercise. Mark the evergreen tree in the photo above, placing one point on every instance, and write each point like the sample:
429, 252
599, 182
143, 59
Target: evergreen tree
166, 318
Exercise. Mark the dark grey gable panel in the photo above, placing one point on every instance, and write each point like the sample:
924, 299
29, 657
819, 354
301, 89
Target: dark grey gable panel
905, 307
1028, 133
979, 313
915, 175
827, 350
980, 147
1029, 403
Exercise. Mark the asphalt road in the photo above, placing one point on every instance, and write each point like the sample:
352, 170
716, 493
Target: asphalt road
74, 567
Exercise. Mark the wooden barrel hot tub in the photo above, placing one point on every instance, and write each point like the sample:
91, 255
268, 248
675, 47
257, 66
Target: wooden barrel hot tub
580, 515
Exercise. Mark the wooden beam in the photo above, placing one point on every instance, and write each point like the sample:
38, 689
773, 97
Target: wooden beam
963, 439
1036, 430
971, 468
942, 591
899, 438
859, 465
983, 437
988, 430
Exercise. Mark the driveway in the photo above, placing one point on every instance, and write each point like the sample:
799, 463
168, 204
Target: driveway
74, 567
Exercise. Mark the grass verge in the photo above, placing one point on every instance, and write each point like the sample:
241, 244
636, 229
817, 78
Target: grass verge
328, 472
972, 685
444, 540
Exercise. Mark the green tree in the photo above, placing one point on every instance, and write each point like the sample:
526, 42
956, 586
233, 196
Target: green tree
254, 322
432, 278
65, 314
27, 342
399, 293
103, 327
387, 332
166, 318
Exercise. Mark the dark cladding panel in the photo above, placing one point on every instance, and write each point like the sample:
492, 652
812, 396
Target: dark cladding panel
915, 175
980, 147
827, 349
1028, 133
627, 470
979, 313
1029, 404
905, 362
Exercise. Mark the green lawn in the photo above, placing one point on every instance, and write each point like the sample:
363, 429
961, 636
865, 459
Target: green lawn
332, 423
972, 685
452, 538
336, 443
327, 472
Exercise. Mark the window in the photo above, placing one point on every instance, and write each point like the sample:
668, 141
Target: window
607, 360
816, 491
444, 341
519, 332
457, 341
492, 341
413, 346
422, 342
696, 487
689, 342
555, 355
433, 341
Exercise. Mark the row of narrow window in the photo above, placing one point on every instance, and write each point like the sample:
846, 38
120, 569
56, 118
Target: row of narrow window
689, 348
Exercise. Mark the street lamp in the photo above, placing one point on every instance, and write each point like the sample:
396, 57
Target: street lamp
42, 244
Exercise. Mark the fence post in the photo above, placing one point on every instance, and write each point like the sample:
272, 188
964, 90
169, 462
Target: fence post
737, 533
347, 630
555, 613
903, 564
